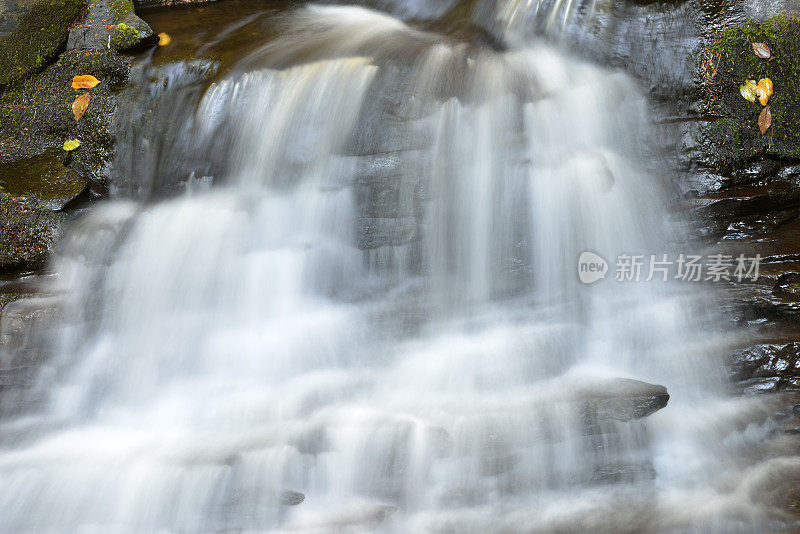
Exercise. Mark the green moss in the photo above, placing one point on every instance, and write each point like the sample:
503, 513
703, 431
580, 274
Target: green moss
40, 35
120, 8
124, 37
734, 138
37, 114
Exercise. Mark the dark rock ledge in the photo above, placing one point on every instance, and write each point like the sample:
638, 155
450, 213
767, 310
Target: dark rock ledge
43, 45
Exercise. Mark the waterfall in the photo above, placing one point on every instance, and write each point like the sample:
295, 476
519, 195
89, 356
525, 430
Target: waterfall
372, 306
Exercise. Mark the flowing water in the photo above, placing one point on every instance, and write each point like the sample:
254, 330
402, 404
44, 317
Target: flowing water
366, 293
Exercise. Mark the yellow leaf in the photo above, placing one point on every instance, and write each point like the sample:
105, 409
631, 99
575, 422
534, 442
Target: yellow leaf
164, 39
748, 90
80, 105
84, 82
764, 120
71, 144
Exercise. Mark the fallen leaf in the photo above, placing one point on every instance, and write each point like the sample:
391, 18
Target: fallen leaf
71, 145
84, 82
764, 90
164, 39
80, 105
748, 90
762, 50
764, 120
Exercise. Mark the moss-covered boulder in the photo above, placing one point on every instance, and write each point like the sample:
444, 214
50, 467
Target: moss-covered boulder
734, 138
32, 33
36, 115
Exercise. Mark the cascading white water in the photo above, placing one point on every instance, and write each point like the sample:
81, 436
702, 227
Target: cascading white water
379, 307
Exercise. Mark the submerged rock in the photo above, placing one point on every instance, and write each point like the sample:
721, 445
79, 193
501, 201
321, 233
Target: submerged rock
292, 498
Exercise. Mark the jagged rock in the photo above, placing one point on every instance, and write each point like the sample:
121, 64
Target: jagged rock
766, 368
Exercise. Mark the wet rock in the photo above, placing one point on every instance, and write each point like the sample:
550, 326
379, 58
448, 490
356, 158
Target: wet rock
43, 177
623, 399
788, 283
766, 368
292, 498
28, 233
169, 3
110, 24
32, 33
19, 322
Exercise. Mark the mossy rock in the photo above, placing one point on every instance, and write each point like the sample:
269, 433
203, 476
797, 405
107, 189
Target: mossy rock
37, 114
132, 33
734, 138
44, 177
32, 33
124, 37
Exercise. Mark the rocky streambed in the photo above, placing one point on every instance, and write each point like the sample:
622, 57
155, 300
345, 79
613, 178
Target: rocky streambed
741, 188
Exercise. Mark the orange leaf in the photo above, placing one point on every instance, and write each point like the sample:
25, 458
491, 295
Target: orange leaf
764, 90
164, 39
84, 82
764, 120
80, 105
761, 50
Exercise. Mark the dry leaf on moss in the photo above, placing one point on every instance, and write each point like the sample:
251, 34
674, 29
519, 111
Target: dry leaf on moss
80, 105
762, 50
764, 120
84, 82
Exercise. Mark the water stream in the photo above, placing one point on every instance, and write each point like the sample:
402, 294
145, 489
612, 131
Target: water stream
364, 297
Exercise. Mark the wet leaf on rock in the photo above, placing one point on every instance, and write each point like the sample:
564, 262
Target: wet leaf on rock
71, 144
762, 50
764, 120
84, 82
80, 105
164, 39
748, 90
